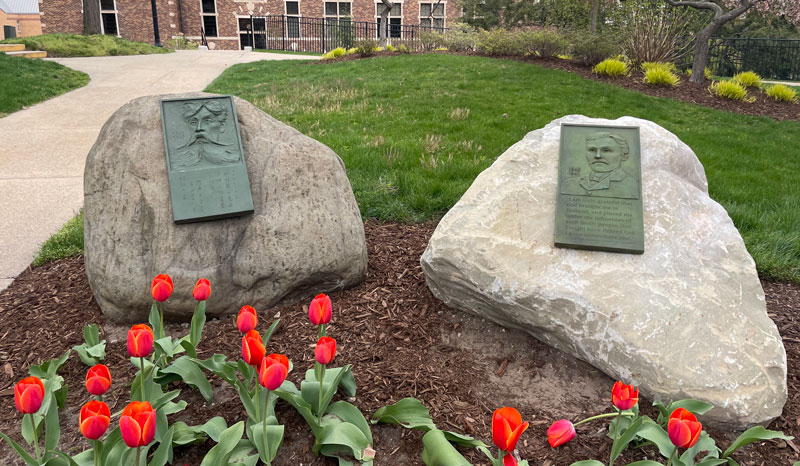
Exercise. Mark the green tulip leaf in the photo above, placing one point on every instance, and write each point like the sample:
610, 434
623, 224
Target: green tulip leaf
185, 434
751, 435
268, 334
347, 412
288, 392
52, 429
437, 451
339, 438
188, 347
695, 407
29, 460
645, 463
627, 436
91, 355
62, 459
198, 321
590, 463
408, 412
347, 383
222, 451
242, 454
713, 462
91, 334
191, 374
111, 447
163, 453
704, 443
217, 365
622, 421
155, 321
463, 440
656, 434
48, 369
275, 437
247, 401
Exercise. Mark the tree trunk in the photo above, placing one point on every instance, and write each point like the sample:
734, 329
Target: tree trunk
595, 12
701, 53
91, 17
382, 33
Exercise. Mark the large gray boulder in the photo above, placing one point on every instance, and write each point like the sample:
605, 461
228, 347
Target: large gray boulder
686, 319
305, 236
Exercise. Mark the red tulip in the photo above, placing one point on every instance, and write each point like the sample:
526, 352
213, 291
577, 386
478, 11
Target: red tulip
624, 396
202, 290
325, 350
247, 319
28, 395
273, 371
94, 419
560, 433
253, 350
683, 428
98, 380
320, 310
138, 424
507, 426
509, 460
140, 340
161, 289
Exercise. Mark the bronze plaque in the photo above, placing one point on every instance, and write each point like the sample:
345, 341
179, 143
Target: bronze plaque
205, 160
599, 201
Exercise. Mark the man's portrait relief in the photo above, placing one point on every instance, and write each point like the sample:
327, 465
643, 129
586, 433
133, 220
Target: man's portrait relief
598, 168
208, 144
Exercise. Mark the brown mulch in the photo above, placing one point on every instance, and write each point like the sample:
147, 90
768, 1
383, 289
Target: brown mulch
401, 342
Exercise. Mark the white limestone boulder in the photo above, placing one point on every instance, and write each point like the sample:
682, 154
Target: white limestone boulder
686, 319
305, 236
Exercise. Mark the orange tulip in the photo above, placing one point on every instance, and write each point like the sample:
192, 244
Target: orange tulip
140, 340
320, 310
161, 288
624, 396
28, 395
94, 419
98, 380
683, 428
247, 319
509, 460
560, 433
202, 290
273, 371
325, 350
507, 426
253, 350
138, 424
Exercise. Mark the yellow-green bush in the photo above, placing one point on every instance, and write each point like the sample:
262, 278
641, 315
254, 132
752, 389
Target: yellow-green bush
335, 53
660, 76
706, 73
351, 51
611, 67
730, 90
657, 65
403, 48
782, 93
747, 79
391, 48
366, 47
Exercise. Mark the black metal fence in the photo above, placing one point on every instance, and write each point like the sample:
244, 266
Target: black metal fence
303, 34
770, 58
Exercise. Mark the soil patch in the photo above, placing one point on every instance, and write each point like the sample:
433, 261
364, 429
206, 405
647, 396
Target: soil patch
401, 342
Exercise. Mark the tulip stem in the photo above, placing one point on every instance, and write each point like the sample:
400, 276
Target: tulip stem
264, 424
35, 439
144, 376
257, 397
137, 456
161, 316
321, 332
319, 406
616, 437
96, 448
602, 416
672, 456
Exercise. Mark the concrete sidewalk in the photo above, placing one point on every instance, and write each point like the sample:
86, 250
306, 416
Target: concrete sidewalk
43, 148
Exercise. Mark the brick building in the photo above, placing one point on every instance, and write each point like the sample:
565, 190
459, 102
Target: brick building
19, 18
226, 23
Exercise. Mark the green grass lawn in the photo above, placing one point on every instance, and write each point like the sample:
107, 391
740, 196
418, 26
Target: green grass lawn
77, 45
415, 130
27, 81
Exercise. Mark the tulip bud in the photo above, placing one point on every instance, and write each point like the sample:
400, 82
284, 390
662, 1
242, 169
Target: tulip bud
138, 424
624, 396
94, 419
247, 319
325, 350
28, 395
253, 350
202, 290
683, 428
507, 426
509, 460
273, 371
98, 380
161, 288
140, 340
320, 310
560, 433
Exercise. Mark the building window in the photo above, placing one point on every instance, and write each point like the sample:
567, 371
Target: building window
259, 33
337, 12
395, 19
431, 15
108, 17
293, 20
209, 13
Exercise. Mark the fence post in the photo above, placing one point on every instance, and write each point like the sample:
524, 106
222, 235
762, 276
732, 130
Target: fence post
283, 31
323, 36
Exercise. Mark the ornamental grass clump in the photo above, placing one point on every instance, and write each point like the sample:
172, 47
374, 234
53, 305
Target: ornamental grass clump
660, 77
747, 79
782, 93
657, 65
611, 67
730, 90
335, 53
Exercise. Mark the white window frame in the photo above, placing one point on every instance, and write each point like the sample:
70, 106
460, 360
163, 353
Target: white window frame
298, 16
338, 15
433, 4
379, 3
215, 14
116, 16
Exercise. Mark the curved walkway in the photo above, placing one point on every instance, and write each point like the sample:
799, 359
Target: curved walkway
43, 148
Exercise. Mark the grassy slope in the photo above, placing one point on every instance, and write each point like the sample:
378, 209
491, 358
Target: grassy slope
77, 45
27, 81
385, 118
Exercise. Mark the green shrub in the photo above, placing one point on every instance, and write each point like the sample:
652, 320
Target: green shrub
391, 48
655, 65
660, 76
403, 48
430, 41
747, 79
782, 93
591, 49
499, 42
730, 90
460, 37
611, 67
706, 73
366, 47
335, 53
544, 44
180, 43
351, 51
